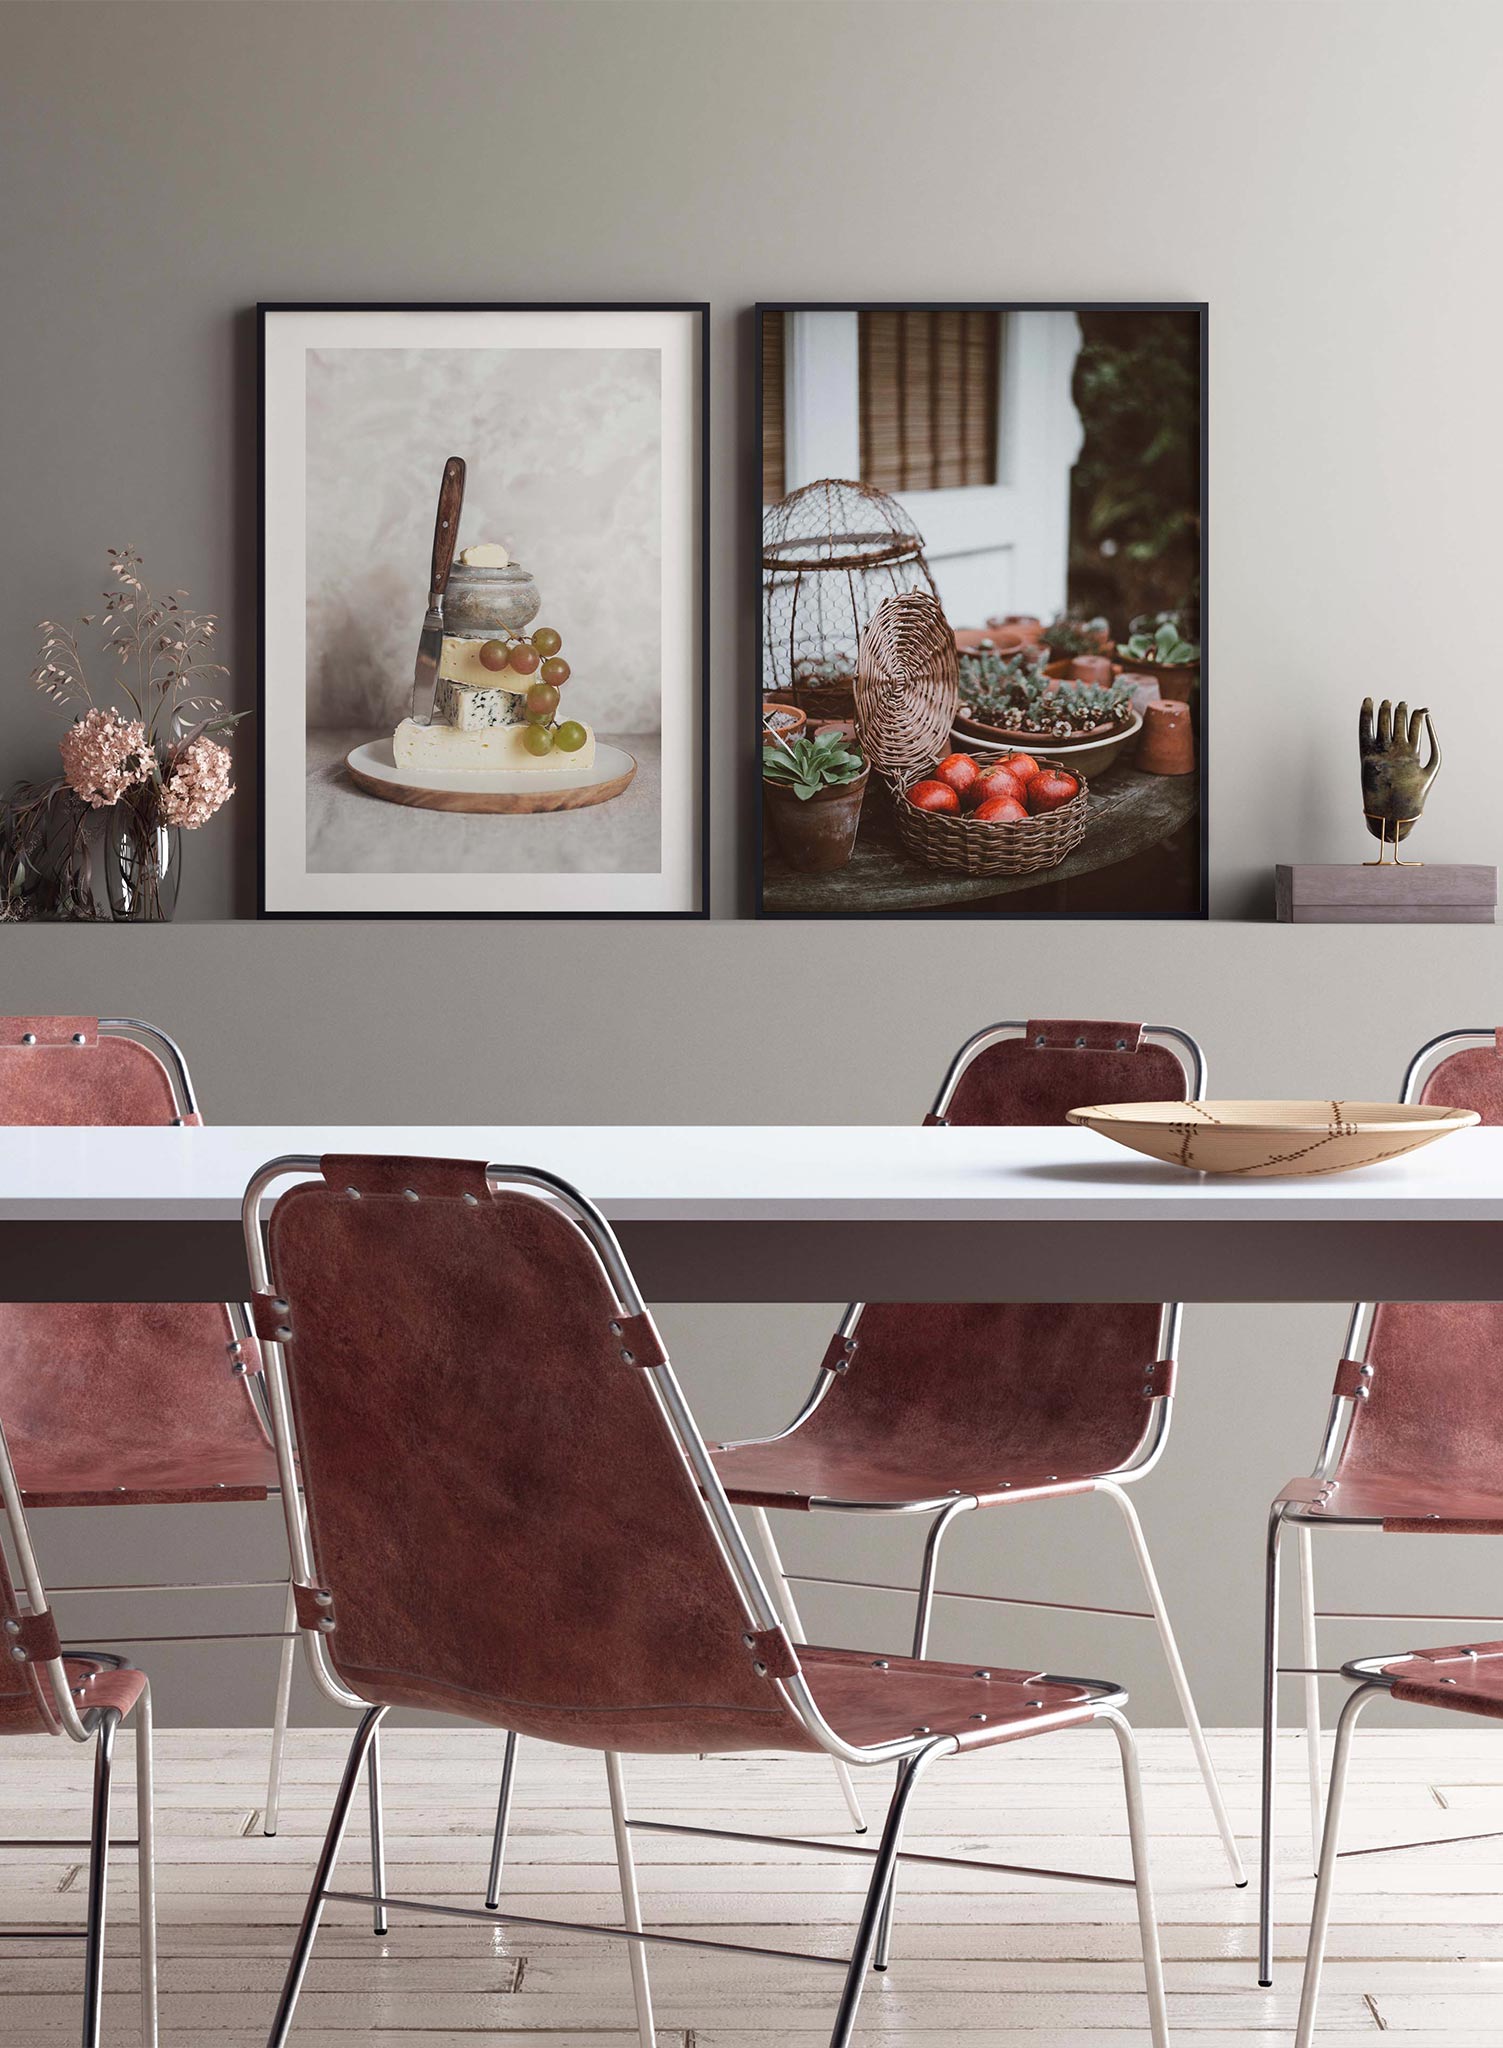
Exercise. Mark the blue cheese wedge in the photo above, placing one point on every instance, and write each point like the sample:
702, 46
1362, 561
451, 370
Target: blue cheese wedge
446, 747
470, 710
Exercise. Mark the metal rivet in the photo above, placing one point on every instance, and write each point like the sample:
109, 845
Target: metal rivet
323, 1599
978, 1717
615, 1329
12, 1627
79, 1039
410, 1194
981, 1674
1051, 1479
879, 1664
325, 1626
630, 1357
1037, 1703
353, 1193
760, 1669
921, 1731
18, 1654
28, 1038
1148, 1386
1040, 1039
1121, 1045
472, 1201
282, 1334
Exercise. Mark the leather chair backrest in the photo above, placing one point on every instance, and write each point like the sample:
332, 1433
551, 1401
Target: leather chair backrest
71, 1074
499, 1509
1060, 1064
26, 1706
1434, 1408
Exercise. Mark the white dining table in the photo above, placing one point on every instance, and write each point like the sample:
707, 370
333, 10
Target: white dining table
766, 1212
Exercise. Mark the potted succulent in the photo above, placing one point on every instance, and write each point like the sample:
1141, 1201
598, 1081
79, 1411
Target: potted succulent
1071, 635
813, 790
781, 719
1165, 654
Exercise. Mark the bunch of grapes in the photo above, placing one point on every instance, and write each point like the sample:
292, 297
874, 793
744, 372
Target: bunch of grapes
538, 660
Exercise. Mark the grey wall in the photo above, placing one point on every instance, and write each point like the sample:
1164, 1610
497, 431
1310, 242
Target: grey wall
1327, 177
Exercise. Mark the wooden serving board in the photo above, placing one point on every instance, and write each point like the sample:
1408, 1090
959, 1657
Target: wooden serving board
497, 791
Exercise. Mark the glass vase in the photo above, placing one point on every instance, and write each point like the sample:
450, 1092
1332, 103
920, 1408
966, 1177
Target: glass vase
142, 867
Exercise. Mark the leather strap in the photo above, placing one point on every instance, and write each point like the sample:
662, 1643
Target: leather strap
773, 1653
638, 1341
1159, 1378
315, 1609
838, 1353
1057, 1034
34, 1634
422, 1179
1459, 1653
1353, 1379
269, 1318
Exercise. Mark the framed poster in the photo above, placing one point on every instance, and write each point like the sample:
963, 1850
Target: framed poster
981, 605
483, 610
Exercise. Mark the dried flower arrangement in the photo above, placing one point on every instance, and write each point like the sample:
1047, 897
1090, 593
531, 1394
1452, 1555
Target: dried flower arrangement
1014, 697
152, 769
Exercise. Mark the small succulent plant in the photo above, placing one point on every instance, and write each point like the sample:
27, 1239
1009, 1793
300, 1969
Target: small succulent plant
807, 766
1166, 645
1017, 698
1071, 635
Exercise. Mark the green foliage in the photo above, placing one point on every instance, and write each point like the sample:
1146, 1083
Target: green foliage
808, 766
1021, 699
1072, 635
1167, 645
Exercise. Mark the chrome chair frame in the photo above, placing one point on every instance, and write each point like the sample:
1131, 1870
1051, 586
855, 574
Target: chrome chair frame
169, 1055
1309, 1669
96, 1725
912, 1754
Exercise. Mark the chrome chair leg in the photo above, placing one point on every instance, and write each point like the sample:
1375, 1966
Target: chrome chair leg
279, 1715
503, 1822
877, 1895
378, 1835
928, 1581
782, 1593
146, 1886
1270, 1745
1179, 1677
297, 1967
631, 1906
99, 1862
1310, 1657
1148, 1926
1320, 1918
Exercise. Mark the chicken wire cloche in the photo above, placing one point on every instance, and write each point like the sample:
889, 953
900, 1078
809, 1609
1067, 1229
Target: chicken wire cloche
832, 551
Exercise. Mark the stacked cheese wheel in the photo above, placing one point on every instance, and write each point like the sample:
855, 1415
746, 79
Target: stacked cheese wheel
496, 706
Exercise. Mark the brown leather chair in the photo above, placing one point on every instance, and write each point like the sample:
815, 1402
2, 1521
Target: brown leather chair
1413, 1442
84, 1695
1466, 1679
124, 1404
512, 1517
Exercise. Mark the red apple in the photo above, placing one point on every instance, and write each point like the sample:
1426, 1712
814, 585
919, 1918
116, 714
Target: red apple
958, 770
995, 780
1000, 810
933, 796
1020, 767
1050, 790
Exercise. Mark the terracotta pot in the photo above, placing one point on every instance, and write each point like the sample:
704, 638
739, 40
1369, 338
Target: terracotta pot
846, 727
787, 732
816, 834
1085, 668
1177, 680
1168, 745
1022, 628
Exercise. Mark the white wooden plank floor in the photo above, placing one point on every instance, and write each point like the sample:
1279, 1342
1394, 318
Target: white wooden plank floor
1417, 1938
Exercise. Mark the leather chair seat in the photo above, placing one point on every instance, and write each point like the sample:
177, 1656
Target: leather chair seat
793, 1471
96, 1683
869, 1699
134, 1475
1467, 1680
1404, 1506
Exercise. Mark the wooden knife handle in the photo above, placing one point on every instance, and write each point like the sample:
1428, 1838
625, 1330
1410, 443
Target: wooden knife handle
446, 525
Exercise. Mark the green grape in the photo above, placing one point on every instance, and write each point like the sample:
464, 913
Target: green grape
537, 739
542, 702
494, 654
570, 736
555, 669
546, 641
524, 659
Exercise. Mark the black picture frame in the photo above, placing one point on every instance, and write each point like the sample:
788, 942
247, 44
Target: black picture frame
700, 309
1200, 309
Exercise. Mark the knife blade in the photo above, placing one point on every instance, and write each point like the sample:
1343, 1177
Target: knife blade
431, 639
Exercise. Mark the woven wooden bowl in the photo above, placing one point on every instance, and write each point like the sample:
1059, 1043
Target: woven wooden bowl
962, 845
907, 684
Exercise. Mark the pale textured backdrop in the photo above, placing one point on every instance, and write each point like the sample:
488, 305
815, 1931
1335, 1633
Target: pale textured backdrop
563, 460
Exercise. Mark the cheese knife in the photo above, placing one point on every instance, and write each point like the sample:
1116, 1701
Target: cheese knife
431, 640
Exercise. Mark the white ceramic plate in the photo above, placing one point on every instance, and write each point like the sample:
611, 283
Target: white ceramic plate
1273, 1137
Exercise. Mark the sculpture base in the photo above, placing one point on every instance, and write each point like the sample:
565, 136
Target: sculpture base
1407, 892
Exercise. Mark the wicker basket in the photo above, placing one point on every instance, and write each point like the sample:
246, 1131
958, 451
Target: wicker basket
907, 684
962, 845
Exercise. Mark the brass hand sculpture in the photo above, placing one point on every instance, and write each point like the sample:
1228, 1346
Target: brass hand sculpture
1395, 782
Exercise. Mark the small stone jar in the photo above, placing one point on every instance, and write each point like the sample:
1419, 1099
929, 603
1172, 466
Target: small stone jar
483, 603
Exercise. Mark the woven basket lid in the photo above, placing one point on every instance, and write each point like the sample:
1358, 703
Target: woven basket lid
907, 683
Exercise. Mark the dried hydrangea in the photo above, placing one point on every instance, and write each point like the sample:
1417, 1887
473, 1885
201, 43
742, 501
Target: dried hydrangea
104, 755
197, 783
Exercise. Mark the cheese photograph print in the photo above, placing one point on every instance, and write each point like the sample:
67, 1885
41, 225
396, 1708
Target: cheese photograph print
483, 617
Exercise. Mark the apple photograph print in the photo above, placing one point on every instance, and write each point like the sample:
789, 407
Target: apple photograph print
482, 610
981, 665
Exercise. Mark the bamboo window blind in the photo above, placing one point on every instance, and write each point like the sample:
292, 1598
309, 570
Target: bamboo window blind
929, 398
